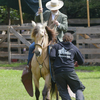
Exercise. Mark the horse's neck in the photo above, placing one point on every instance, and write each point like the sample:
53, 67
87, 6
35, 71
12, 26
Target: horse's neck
44, 50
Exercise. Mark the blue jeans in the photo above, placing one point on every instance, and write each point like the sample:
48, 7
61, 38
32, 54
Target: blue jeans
30, 54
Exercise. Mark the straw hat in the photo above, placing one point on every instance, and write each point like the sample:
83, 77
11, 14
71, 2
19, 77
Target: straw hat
54, 4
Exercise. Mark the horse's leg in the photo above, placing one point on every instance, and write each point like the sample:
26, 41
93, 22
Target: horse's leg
57, 93
46, 90
37, 92
48, 95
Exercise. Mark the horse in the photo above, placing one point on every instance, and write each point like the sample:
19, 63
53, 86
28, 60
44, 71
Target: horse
42, 36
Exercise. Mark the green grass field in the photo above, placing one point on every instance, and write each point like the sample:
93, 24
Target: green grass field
11, 87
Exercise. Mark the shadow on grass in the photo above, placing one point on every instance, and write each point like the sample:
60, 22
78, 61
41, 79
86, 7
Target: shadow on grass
90, 78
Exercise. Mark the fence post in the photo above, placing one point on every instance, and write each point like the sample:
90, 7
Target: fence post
9, 46
77, 37
19, 42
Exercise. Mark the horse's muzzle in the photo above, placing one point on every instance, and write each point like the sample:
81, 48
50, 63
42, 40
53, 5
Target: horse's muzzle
38, 53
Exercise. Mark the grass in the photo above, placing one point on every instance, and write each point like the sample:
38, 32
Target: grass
14, 64
11, 87
88, 68
83, 68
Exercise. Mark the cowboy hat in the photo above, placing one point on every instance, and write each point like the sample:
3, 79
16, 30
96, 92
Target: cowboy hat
54, 4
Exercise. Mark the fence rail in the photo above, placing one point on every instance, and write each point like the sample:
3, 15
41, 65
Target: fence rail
15, 42
88, 42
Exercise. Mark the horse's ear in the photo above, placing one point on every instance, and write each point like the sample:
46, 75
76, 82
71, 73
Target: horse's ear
45, 23
33, 24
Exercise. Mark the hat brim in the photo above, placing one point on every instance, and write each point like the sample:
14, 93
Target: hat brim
60, 4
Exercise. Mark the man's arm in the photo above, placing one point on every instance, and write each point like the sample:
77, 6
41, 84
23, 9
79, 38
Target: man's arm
37, 15
79, 58
63, 24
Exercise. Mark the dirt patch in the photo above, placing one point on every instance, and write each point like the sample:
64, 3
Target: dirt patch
14, 68
22, 67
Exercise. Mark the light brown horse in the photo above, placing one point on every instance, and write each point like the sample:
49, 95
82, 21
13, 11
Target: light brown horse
40, 62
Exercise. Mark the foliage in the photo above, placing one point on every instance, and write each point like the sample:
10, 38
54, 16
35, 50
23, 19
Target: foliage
28, 16
14, 15
4, 14
95, 8
78, 8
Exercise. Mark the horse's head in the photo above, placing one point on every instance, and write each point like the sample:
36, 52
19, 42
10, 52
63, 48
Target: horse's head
41, 35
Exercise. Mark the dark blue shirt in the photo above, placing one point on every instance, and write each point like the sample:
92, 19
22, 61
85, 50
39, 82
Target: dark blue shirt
64, 55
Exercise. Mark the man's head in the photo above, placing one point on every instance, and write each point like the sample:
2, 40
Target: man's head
68, 37
54, 11
54, 5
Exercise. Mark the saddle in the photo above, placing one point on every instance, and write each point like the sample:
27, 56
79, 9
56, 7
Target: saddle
26, 79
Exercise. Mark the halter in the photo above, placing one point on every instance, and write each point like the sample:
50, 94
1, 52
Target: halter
41, 42
38, 45
41, 64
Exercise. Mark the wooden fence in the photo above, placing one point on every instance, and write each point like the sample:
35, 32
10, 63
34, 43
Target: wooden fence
88, 41
15, 43
93, 21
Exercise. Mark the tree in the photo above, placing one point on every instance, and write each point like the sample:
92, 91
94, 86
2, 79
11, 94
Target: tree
14, 15
78, 8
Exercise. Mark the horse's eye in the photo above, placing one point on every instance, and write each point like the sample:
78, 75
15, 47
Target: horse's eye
42, 36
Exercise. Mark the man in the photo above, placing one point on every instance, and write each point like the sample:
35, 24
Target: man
64, 55
55, 19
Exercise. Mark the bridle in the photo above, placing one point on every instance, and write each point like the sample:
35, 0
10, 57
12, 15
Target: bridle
38, 45
41, 46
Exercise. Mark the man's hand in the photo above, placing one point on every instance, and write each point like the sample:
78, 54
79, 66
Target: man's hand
56, 22
76, 64
40, 10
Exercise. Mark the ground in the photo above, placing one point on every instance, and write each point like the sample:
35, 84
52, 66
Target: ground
14, 68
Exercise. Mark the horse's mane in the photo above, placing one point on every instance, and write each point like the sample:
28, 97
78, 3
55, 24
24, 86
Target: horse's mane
51, 33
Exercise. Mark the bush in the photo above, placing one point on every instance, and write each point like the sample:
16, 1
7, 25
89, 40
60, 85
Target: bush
78, 8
